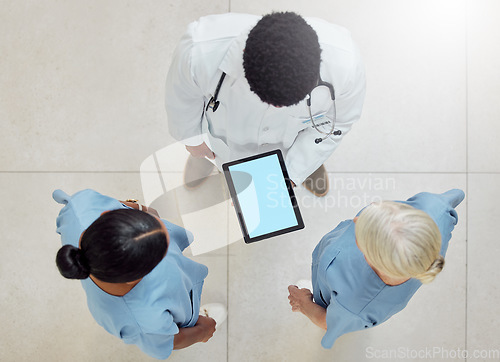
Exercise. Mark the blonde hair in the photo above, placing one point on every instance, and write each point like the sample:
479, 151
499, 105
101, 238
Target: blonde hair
400, 241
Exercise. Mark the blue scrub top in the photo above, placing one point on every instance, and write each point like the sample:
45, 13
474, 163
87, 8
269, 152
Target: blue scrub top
354, 296
166, 299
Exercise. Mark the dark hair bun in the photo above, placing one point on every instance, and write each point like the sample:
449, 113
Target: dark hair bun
72, 263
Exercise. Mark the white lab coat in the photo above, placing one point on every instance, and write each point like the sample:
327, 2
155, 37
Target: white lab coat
243, 125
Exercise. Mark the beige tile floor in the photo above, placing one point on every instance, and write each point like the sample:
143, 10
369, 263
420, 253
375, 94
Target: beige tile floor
81, 106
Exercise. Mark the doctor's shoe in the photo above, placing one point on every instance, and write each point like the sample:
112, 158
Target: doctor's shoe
196, 171
318, 182
217, 311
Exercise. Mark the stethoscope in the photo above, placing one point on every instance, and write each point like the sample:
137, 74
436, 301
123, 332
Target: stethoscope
213, 104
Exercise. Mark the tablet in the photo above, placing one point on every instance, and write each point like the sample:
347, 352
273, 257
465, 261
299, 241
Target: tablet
263, 196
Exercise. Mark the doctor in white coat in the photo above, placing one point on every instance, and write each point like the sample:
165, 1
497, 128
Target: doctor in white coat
241, 84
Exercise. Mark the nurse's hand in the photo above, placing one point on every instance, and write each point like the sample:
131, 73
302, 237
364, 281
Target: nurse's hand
299, 299
207, 326
202, 331
137, 206
151, 211
201, 151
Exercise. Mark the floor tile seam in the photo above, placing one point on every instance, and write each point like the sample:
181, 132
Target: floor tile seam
329, 172
227, 257
466, 7
228, 210
89, 172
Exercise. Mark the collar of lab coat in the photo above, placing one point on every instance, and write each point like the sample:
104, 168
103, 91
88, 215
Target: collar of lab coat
232, 64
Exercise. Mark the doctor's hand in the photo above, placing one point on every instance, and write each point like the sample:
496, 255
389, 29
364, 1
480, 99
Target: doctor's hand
201, 151
300, 299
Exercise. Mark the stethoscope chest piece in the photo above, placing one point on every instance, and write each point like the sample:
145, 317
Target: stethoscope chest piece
335, 133
212, 104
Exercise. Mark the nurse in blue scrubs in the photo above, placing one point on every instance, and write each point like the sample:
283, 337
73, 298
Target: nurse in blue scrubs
139, 286
367, 269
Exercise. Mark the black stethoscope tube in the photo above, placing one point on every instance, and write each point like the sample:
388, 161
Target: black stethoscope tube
213, 104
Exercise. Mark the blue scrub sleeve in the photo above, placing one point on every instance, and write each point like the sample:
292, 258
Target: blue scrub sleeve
159, 346
80, 210
156, 337
178, 235
441, 207
340, 321
85, 206
156, 333
68, 225
453, 197
449, 219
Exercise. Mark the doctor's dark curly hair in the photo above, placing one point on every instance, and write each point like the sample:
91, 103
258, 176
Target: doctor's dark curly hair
282, 58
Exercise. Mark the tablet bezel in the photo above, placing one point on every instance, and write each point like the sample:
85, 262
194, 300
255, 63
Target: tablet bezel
227, 174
